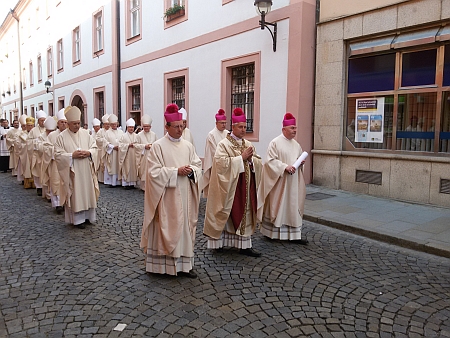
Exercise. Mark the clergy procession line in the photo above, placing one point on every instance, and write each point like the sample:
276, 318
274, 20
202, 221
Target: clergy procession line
65, 162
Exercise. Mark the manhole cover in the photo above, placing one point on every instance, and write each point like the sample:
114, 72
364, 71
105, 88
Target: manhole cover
315, 196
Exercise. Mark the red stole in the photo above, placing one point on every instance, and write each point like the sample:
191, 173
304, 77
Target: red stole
240, 196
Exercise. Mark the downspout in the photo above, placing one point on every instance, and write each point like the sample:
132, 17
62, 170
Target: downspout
119, 77
13, 14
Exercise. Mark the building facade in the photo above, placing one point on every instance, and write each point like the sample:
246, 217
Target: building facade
382, 105
132, 57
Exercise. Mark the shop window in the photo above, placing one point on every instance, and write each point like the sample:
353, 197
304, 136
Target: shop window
444, 135
371, 73
415, 121
446, 77
419, 68
381, 121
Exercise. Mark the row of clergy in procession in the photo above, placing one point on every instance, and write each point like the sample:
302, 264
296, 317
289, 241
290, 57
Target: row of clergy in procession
65, 163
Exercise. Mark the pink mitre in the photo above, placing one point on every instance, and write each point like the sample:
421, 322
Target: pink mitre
289, 120
171, 114
220, 116
238, 116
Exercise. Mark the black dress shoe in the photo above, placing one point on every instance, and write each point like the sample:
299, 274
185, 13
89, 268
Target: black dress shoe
190, 274
301, 241
39, 191
87, 222
81, 226
219, 250
59, 210
250, 252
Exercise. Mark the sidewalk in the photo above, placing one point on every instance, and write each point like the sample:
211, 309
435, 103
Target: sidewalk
415, 226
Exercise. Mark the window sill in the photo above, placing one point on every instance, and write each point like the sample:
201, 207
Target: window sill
176, 15
97, 53
133, 39
76, 63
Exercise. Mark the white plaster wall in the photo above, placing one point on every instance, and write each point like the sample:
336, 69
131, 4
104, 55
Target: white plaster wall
204, 16
205, 68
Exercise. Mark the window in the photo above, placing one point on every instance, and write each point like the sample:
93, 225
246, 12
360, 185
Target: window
444, 132
416, 108
39, 68
49, 62
50, 108
419, 68
24, 80
60, 52
31, 74
98, 32
178, 91
37, 18
242, 91
133, 21
135, 18
175, 11
76, 53
372, 73
134, 100
60, 103
99, 102
240, 87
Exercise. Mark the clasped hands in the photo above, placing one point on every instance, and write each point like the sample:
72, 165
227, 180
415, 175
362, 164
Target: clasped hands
184, 170
247, 154
81, 154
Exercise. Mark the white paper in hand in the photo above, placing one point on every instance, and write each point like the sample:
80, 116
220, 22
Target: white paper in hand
299, 161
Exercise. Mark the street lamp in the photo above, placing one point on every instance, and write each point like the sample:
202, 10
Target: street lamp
47, 85
263, 8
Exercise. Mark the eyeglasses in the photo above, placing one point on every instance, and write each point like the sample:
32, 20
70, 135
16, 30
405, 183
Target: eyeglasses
177, 127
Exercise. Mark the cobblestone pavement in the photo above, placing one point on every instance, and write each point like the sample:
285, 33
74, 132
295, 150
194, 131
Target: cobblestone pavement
60, 281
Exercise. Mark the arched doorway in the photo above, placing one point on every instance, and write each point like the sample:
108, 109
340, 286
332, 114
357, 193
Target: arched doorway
77, 101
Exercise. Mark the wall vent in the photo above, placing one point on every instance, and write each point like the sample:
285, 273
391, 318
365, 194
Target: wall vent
444, 186
371, 177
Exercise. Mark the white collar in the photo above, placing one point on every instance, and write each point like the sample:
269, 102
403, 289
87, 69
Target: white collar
235, 137
173, 139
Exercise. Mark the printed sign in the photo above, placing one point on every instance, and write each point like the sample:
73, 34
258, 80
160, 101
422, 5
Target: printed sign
369, 120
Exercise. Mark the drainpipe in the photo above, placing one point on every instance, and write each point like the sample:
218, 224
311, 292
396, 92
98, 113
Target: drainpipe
119, 77
14, 15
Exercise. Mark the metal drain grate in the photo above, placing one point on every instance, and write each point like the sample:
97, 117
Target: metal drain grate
371, 177
444, 186
316, 196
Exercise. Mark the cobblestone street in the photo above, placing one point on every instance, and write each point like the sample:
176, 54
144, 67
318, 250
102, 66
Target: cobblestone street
60, 281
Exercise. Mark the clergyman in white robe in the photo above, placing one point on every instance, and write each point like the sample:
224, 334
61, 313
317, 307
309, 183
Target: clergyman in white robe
282, 191
172, 197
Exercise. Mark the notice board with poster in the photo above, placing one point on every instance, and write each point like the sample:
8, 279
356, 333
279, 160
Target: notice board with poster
369, 120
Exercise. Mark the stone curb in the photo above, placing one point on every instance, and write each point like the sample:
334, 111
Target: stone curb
354, 229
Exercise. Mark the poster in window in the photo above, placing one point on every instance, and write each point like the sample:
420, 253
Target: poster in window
369, 117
